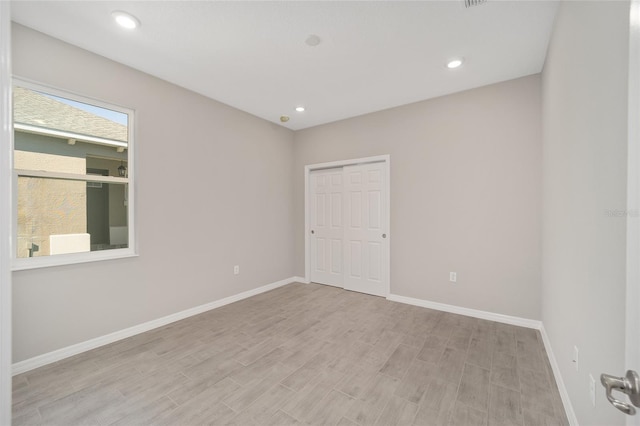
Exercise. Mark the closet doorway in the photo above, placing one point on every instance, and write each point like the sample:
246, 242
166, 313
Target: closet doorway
347, 224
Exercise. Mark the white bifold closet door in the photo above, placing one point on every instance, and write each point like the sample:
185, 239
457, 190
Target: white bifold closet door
348, 242
326, 214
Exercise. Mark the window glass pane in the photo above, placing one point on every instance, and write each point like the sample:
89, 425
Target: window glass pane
58, 216
55, 134
72, 166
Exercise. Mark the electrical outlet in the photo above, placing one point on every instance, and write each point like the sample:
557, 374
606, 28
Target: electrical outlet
575, 358
453, 277
236, 270
592, 390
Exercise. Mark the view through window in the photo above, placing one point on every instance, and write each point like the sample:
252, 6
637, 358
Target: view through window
71, 162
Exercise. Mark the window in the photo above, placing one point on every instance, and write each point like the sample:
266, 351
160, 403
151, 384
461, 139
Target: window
72, 178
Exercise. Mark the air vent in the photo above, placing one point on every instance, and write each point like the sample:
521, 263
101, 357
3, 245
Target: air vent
471, 3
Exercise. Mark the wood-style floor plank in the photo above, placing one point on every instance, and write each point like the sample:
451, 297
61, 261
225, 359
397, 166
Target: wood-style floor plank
303, 354
474, 387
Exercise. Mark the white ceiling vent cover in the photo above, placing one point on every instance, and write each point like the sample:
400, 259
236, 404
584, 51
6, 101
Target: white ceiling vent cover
471, 3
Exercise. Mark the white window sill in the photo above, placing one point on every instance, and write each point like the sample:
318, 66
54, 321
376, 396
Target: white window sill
71, 259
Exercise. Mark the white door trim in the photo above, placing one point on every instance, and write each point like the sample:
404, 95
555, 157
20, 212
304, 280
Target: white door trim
6, 156
341, 163
632, 338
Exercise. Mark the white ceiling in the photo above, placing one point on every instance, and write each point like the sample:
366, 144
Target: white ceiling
253, 55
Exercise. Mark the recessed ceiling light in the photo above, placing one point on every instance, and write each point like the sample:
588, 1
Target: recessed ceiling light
300, 108
284, 118
455, 63
125, 20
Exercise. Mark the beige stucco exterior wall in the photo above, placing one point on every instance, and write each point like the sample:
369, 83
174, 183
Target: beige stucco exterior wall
49, 206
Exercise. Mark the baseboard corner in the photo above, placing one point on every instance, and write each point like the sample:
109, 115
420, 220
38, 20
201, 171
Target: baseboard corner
564, 395
476, 313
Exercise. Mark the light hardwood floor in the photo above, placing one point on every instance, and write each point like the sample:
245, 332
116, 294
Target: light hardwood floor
303, 353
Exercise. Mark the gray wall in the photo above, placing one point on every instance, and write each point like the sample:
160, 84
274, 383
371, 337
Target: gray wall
465, 193
229, 202
585, 147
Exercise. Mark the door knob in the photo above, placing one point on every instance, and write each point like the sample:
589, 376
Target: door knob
313, 232
384, 235
629, 384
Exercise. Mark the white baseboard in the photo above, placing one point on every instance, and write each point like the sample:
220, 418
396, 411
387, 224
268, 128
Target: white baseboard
57, 355
568, 408
507, 319
302, 280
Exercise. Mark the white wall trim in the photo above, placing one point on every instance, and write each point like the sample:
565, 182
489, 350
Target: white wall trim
491, 316
6, 160
57, 355
568, 408
302, 280
349, 162
506, 319
632, 312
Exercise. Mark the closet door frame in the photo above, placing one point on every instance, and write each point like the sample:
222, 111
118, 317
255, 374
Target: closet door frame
387, 194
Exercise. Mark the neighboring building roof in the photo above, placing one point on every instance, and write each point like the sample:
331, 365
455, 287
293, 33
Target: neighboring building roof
35, 109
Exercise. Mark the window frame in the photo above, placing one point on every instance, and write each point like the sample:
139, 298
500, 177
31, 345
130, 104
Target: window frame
90, 256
